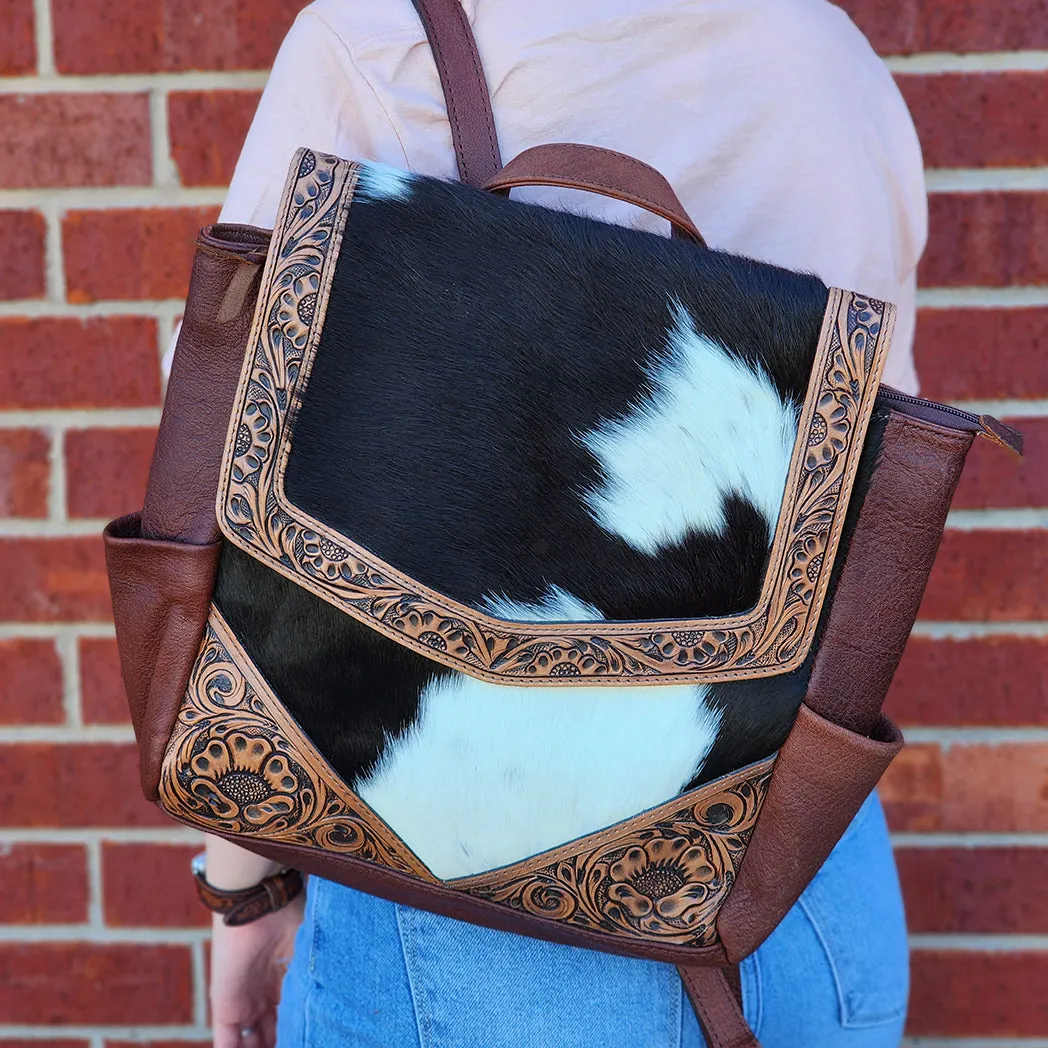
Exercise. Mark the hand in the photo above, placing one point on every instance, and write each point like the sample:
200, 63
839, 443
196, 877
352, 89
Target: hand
247, 967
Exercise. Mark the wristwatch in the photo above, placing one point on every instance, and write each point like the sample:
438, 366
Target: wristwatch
243, 905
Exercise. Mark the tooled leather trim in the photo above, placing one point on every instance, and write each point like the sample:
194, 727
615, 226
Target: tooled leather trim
238, 764
255, 514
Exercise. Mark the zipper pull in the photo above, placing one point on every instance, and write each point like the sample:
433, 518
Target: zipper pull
995, 430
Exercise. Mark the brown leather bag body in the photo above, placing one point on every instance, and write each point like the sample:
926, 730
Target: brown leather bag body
320, 566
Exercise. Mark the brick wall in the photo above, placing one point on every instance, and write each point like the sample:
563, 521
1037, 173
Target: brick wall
121, 121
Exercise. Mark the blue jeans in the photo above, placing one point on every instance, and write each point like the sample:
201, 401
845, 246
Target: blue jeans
373, 974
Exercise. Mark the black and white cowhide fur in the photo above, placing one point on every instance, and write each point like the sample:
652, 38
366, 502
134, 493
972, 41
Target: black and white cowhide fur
546, 418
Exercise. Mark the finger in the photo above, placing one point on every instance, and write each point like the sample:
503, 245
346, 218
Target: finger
226, 1035
268, 1027
253, 1036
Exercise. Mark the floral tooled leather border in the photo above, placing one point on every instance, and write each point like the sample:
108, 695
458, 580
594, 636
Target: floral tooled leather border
238, 764
256, 515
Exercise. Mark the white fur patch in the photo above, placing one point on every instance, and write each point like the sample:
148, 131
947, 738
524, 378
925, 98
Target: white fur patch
490, 774
557, 605
712, 427
377, 181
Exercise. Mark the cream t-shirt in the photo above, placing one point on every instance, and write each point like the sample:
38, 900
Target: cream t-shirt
779, 128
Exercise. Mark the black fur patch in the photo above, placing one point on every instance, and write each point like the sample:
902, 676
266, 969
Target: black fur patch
468, 342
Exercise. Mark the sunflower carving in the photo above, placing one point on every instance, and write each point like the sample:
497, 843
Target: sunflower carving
241, 776
668, 879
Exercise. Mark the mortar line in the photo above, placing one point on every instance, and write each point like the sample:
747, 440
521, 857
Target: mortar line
33, 528
175, 836
1022, 296
39, 933
68, 652
932, 839
947, 736
165, 172
1011, 519
43, 39
51, 630
59, 477
50, 82
985, 179
113, 197
972, 630
54, 263
84, 734
130, 1035
35, 309
963, 941
80, 418
1034, 61
95, 915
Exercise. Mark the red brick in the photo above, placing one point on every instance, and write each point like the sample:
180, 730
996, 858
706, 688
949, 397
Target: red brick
989, 575
905, 26
975, 890
991, 479
955, 993
63, 362
989, 681
30, 682
43, 884
73, 784
970, 788
25, 472
36, 1042
75, 140
148, 252
105, 983
986, 239
22, 260
207, 129
17, 43
978, 354
53, 580
102, 698
106, 470
147, 885
145, 36
979, 119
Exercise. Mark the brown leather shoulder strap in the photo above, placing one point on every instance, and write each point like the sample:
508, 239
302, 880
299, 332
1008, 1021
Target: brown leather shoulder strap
717, 999
465, 89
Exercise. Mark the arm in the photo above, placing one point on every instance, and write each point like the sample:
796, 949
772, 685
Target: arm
314, 97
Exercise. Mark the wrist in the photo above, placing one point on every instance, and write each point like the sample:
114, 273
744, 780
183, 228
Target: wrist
232, 868
240, 906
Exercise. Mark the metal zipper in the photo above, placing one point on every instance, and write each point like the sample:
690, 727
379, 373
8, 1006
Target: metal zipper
954, 418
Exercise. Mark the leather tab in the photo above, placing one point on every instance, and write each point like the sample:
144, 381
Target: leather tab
465, 88
994, 430
718, 1007
597, 170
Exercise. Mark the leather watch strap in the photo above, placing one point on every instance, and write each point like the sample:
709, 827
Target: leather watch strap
249, 904
465, 88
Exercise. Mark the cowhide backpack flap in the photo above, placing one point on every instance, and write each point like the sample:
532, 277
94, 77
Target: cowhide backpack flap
559, 569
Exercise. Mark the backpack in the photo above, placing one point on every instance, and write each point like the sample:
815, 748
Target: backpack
534, 571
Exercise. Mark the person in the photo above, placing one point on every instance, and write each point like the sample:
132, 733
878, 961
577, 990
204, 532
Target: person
787, 140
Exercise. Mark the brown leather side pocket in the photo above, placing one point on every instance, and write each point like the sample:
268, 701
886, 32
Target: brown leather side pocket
821, 777
161, 594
